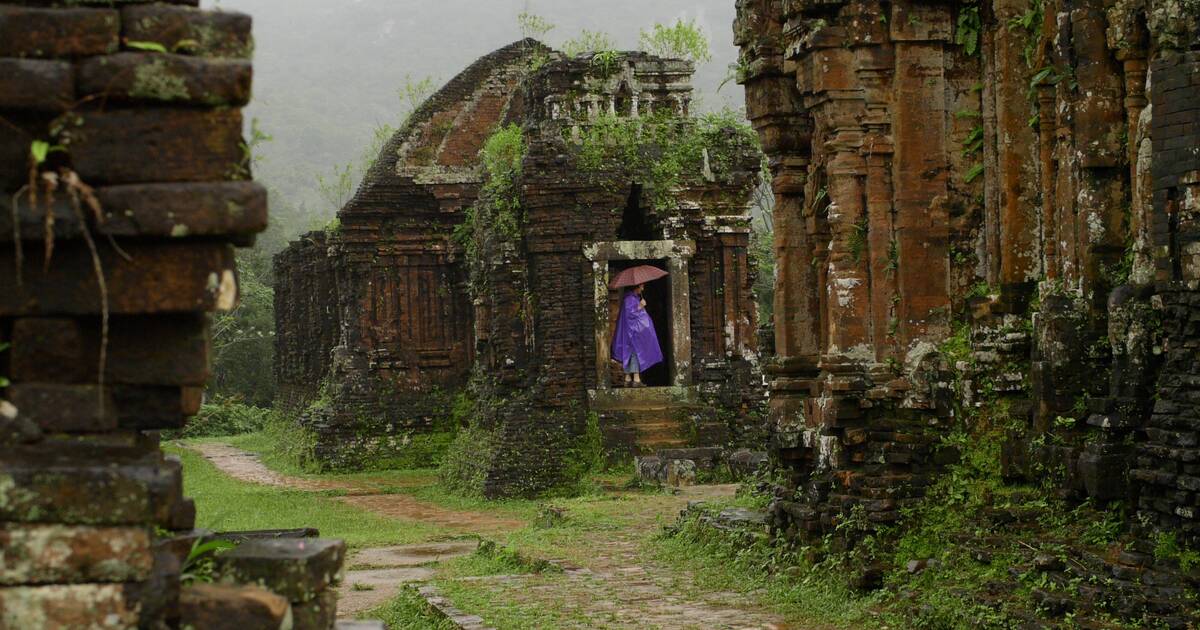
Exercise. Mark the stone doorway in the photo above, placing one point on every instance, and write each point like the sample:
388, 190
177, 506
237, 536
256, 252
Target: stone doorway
667, 301
658, 305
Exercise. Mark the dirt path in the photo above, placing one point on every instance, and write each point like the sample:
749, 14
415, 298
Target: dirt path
374, 497
610, 580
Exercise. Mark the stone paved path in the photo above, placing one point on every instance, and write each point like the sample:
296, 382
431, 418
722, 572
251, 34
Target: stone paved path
614, 584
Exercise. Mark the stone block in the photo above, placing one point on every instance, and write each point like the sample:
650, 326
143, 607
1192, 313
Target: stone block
223, 606
319, 613
360, 625
156, 278
130, 146
59, 408
36, 84
47, 349
47, 33
152, 408
181, 29
200, 209
49, 554
61, 483
297, 568
67, 606
166, 78
179, 210
1104, 475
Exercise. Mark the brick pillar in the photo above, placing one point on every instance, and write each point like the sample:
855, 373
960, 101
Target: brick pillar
98, 366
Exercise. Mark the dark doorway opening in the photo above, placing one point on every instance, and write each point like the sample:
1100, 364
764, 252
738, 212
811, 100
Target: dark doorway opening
658, 306
635, 225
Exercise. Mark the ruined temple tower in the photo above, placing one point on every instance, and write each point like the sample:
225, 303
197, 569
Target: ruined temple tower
444, 273
985, 212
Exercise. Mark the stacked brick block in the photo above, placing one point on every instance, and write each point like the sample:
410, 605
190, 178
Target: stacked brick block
125, 120
1167, 469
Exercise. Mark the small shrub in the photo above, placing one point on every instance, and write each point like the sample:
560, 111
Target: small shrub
224, 417
681, 40
465, 465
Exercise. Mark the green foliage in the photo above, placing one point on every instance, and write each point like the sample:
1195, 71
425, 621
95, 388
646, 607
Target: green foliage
533, 26
663, 150
589, 42
587, 454
251, 151
224, 416
969, 27
243, 340
857, 239
973, 143
146, 46
1168, 547
198, 566
409, 611
499, 204
973, 173
681, 40
465, 466
1030, 21
762, 256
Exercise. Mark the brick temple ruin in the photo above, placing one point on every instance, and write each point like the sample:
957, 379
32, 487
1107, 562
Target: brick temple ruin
108, 275
382, 321
1029, 170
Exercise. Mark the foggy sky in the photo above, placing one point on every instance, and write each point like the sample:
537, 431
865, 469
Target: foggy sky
327, 71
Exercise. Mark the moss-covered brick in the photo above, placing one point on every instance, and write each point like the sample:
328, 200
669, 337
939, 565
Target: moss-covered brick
299, 569
48, 554
53, 484
166, 78
190, 31
104, 606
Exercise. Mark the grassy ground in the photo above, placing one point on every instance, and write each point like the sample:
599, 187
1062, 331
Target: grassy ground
225, 504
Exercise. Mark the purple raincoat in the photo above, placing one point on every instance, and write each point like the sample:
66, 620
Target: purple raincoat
635, 335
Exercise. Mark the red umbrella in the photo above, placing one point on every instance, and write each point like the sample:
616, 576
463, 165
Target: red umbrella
634, 276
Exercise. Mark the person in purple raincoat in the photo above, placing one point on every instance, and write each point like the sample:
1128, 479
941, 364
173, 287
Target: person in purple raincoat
635, 344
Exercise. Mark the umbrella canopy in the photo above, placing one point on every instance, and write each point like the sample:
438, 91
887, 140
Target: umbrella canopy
634, 276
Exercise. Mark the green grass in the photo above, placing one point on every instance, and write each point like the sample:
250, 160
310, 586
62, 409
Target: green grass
409, 611
225, 504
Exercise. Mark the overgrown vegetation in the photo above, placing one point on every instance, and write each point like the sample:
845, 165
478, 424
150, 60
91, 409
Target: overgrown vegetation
224, 417
664, 150
499, 203
681, 40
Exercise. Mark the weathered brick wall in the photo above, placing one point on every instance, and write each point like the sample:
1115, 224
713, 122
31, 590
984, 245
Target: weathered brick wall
307, 326
392, 299
1027, 162
1166, 473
